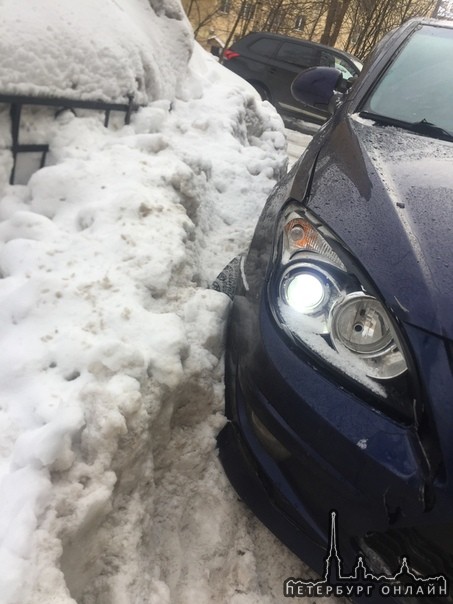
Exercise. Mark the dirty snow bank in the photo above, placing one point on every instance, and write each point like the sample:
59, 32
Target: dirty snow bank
108, 50
111, 389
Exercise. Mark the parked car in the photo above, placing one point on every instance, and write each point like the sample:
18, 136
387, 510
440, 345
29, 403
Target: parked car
270, 63
339, 364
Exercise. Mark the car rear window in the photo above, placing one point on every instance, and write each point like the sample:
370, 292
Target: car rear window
327, 59
299, 54
265, 46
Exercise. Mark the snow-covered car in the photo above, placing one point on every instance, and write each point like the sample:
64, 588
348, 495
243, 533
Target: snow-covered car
340, 340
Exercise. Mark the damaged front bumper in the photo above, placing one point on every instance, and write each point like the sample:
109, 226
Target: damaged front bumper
299, 445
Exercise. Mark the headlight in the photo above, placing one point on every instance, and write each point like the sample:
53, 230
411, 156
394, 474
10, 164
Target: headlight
310, 290
304, 291
360, 325
328, 308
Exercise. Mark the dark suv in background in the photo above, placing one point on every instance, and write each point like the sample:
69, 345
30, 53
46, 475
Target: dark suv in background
270, 62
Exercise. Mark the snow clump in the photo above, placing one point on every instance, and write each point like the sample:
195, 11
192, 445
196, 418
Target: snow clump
111, 391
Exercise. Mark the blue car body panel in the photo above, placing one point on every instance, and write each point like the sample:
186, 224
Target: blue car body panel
387, 195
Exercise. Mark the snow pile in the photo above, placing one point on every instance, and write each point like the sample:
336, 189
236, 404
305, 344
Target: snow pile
90, 50
111, 390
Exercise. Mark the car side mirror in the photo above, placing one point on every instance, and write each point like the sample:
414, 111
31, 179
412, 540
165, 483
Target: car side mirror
320, 87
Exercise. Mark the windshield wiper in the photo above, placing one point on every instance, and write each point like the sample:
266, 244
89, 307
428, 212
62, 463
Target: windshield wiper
421, 127
425, 127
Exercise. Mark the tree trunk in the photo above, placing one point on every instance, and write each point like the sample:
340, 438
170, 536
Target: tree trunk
330, 20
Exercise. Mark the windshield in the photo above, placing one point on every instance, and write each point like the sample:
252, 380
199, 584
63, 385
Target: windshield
418, 86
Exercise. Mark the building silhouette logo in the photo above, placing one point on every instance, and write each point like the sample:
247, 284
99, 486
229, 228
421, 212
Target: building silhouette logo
362, 582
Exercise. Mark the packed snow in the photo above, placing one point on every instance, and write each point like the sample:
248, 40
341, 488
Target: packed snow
108, 50
111, 385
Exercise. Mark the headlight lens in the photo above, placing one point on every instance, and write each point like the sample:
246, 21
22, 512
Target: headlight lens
308, 289
305, 292
327, 308
360, 325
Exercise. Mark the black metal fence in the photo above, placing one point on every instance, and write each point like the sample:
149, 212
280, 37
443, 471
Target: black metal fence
17, 102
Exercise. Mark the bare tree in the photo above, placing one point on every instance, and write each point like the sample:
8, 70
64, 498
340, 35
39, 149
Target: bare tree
370, 20
242, 15
200, 14
355, 25
334, 20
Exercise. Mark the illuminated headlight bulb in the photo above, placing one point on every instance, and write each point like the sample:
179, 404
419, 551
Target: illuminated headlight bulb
305, 292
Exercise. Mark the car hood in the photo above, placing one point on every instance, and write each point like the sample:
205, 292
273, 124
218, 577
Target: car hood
388, 195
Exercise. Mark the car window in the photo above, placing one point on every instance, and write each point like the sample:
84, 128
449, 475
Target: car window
265, 46
342, 65
299, 54
327, 59
418, 85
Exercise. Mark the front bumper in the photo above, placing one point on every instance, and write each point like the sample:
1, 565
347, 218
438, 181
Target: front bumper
341, 455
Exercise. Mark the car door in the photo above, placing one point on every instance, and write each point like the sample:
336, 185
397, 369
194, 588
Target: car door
290, 60
258, 63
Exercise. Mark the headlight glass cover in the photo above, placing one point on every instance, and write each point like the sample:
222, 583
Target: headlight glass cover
328, 308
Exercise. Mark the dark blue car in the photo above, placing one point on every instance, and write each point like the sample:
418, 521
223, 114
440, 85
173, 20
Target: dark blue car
339, 370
